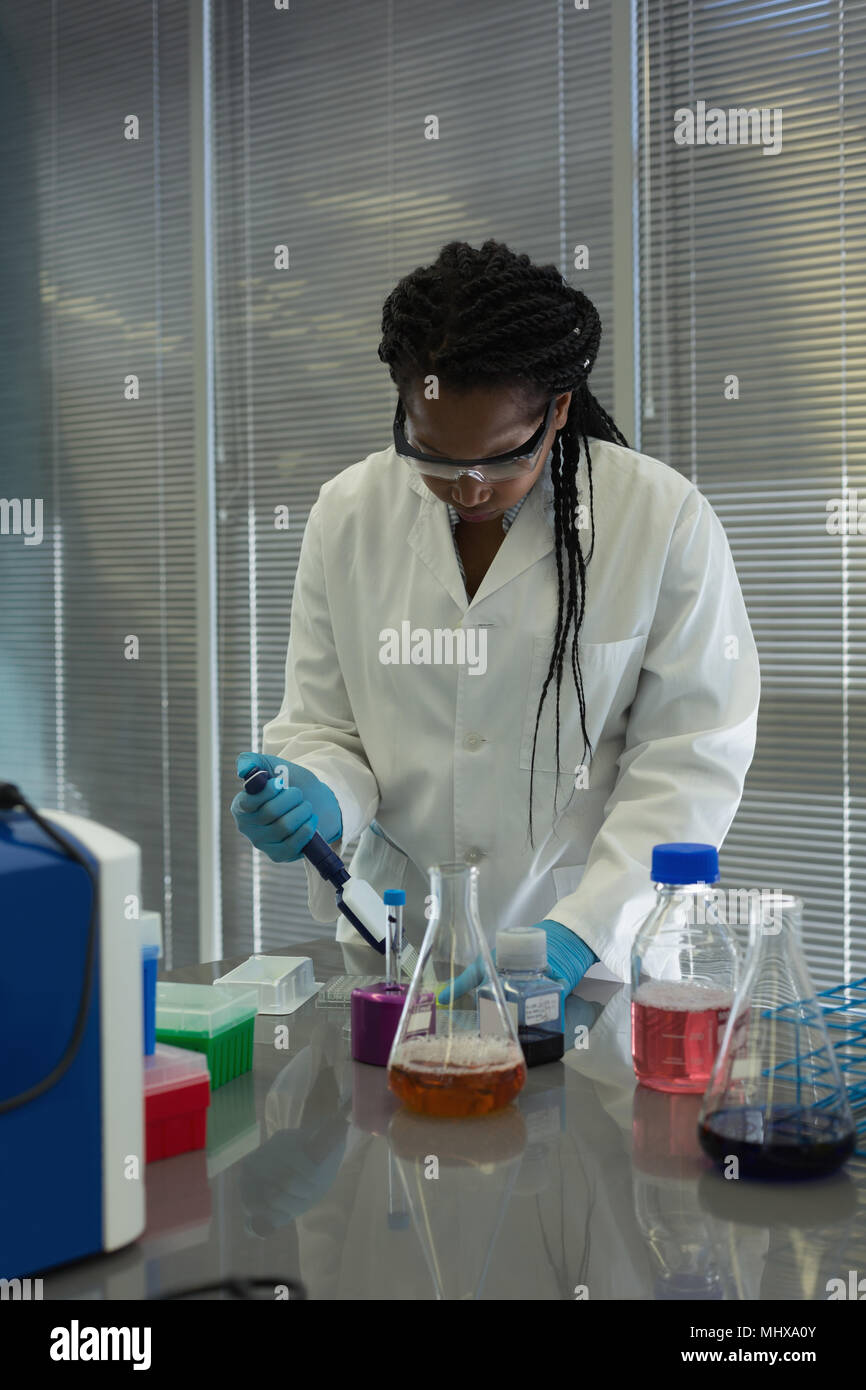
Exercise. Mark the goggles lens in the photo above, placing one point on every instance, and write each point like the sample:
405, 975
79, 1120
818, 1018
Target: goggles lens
488, 470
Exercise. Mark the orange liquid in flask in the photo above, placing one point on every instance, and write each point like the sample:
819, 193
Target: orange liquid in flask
456, 1076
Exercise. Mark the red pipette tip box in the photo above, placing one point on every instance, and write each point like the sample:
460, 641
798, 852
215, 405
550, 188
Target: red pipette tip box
176, 1098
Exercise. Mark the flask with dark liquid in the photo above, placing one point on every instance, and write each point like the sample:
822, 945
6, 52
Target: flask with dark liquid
450, 1060
776, 1105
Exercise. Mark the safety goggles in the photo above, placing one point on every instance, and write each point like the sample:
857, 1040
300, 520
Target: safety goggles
515, 464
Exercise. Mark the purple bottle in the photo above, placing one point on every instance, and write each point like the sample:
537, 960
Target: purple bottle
376, 1010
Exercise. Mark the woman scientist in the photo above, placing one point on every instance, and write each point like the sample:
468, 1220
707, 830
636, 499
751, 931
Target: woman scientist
506, 589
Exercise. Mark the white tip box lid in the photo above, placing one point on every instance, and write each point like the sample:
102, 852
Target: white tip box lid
202, 1009
169, 1068
283, 983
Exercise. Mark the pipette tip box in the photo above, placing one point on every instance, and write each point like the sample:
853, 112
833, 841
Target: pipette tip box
176, 1098
283, 983
212, 1019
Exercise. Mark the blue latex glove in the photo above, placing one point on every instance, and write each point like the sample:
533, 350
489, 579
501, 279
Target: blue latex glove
474, 975
568, 959
280, 820
568, 956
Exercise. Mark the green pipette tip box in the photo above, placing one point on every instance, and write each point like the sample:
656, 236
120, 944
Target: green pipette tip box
212, 1019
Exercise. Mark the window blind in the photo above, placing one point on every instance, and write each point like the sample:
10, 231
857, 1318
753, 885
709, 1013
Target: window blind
752, 300
97, 622
319, 147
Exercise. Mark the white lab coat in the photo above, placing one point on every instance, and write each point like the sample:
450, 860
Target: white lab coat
439, 755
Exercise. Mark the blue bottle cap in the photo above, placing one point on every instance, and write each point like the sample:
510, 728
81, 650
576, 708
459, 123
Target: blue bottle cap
685, 863
394, 897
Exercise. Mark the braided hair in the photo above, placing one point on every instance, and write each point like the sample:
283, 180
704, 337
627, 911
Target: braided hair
491, 318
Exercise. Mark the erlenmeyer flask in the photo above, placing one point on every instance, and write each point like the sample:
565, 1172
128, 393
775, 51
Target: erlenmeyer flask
775, 1100
450, 1057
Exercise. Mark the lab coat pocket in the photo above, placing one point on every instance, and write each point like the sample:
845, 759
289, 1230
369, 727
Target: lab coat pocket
609, 671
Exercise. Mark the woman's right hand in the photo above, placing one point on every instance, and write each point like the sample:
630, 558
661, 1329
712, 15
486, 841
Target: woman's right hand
280, 820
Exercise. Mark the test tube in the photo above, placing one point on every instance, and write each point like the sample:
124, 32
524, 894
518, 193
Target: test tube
394, 901
376, 1009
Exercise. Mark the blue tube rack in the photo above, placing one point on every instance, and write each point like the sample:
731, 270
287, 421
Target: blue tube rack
844, 1010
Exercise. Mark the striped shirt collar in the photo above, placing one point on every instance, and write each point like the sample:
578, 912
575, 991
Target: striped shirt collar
507, 519
546, 483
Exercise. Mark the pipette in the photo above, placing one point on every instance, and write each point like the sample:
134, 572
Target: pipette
359, 903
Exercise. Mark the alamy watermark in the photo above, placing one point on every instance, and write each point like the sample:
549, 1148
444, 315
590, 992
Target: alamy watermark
22, 516
739, 125
737, 907
438, 646
854, 1287
77, 1343
846, 515
20, 1290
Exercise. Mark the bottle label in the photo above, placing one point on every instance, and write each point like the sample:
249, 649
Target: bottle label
420, 1023
542, 1008
421, 1019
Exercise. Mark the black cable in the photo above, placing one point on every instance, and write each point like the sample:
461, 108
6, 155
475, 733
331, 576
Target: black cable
10, 798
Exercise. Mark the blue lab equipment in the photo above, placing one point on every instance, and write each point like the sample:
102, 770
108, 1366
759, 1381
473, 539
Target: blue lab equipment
71, 1080
149, 967
358, 902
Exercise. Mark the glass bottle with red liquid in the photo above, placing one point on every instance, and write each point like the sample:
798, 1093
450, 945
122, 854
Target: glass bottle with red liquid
684, 973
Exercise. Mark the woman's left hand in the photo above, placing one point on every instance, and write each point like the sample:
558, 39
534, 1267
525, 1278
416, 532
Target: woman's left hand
568, 956
568, 959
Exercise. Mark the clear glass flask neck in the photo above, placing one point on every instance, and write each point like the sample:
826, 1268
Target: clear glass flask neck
776, 972
452, 907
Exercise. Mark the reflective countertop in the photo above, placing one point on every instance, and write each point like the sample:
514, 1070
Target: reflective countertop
585, 1187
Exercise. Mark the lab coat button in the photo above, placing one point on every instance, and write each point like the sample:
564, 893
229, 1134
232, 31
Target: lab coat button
473, 742
473, 856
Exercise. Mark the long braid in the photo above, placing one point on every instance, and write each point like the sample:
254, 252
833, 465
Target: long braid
488, 318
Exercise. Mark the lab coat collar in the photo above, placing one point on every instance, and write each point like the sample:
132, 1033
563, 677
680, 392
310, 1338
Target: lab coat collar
529, 538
